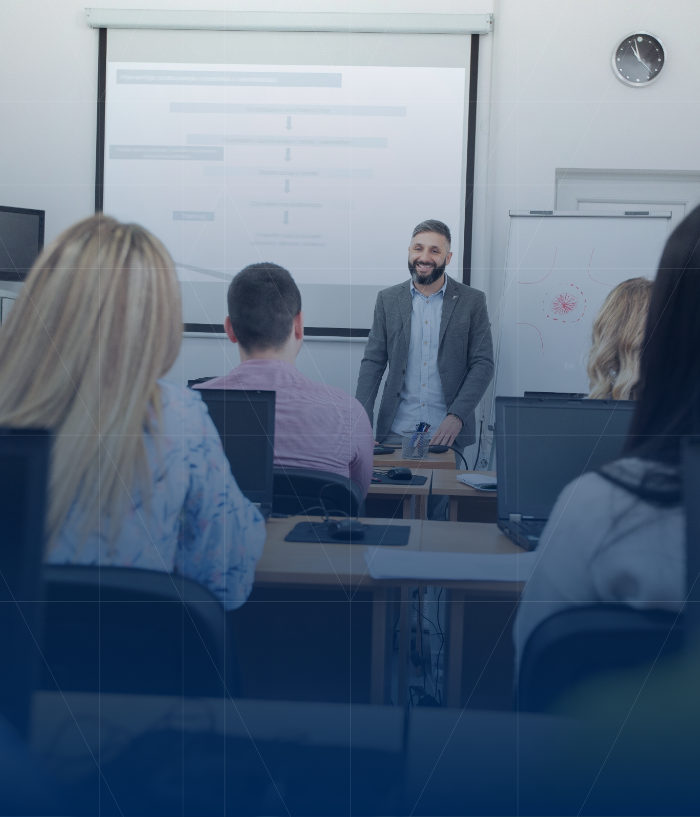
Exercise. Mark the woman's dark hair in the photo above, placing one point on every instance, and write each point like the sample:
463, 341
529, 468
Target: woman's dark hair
263, 301
668, 406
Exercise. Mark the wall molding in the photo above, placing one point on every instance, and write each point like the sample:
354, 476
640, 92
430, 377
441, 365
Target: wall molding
307, 338
588, 189
291, 21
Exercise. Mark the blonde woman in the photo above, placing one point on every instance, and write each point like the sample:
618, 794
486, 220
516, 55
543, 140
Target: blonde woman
138, 475
618, 336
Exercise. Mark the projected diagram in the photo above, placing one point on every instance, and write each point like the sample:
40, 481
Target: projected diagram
323, 170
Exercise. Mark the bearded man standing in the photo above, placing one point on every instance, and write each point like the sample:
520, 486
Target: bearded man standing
435, 335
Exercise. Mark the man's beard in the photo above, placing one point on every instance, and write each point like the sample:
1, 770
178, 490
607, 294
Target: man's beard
425, 278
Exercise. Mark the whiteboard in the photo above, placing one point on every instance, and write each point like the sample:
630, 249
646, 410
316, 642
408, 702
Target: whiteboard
559, 269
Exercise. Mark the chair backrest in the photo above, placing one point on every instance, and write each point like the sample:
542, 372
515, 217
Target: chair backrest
24, 468
198, 380
583, 641
298, 490
691, 497
125, 630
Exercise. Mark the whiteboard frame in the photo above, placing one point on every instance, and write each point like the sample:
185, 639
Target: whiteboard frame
553, 214
588, 214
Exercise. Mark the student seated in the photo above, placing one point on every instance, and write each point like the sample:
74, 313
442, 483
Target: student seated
618, 335
138, 474
619, 534
316, 426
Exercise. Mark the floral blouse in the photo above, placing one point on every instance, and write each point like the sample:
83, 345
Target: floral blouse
197, 522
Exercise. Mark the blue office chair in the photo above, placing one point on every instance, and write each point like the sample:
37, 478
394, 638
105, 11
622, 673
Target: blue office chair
125, 630
581, 642
575, 644
298, 490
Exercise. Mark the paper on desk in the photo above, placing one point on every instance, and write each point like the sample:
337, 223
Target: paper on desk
475, 480
384, 563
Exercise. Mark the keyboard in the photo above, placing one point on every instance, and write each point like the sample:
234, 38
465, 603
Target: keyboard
532, 527
525, 533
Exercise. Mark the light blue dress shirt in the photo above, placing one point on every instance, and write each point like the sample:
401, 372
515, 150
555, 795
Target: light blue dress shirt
422, 398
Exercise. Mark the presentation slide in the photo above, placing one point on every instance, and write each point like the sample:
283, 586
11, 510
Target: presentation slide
324, 170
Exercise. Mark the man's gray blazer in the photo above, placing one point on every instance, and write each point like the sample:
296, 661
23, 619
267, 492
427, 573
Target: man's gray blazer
465, 355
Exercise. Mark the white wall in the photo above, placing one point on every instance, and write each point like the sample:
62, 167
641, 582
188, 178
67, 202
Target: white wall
555, 103
335, 363
48, 88
48, 80
549, 100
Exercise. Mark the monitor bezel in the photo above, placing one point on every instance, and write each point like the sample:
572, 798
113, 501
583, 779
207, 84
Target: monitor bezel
23, 651
264, 496
546, 404
12, 275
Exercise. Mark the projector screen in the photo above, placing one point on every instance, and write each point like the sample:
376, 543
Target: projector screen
322, 168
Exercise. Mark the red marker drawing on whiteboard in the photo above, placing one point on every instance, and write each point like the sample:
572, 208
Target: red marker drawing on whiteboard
536, 330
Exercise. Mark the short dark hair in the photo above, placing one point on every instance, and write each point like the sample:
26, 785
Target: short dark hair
263, 301
432, 225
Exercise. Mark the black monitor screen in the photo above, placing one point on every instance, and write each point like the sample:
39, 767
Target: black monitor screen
14, 475
21, 241
541, 448
245, 422
24, 466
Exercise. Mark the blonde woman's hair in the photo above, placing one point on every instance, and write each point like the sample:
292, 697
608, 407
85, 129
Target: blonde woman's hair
618, 336
98, 321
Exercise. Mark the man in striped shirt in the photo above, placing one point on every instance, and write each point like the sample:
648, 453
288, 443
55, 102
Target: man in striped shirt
316, 426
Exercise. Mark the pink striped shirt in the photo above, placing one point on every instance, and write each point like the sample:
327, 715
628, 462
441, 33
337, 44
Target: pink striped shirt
316, 426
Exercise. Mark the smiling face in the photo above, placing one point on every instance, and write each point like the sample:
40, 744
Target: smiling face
428, 255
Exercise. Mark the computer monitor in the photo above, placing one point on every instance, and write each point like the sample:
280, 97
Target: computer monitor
245, 421
543, 444
21, 241
24, 469
553, 395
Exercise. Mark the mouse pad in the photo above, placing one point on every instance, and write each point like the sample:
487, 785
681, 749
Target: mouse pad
399, 482
384, 535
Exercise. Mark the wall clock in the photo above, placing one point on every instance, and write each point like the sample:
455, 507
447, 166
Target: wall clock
638, 59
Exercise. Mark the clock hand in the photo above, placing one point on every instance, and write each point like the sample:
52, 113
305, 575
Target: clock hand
635, 49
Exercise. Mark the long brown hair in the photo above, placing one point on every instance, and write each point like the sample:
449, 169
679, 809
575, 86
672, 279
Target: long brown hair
97, 323
618, 337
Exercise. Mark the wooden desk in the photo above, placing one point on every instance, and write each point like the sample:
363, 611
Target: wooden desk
479, 652
308, 563
316, 625
476, 506
406, 494
324, 595
434, 461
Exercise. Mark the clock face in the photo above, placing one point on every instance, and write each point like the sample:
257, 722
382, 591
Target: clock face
638, 59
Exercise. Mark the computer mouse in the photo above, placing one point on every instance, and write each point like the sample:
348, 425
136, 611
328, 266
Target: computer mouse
438, 449
346, 529
383, 449
399, 473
